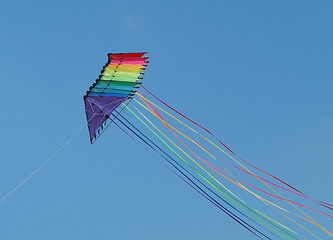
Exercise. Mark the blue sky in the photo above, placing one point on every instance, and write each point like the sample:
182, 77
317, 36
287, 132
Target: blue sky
259, 73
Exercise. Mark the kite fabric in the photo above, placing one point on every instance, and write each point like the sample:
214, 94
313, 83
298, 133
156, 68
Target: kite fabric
257, 200
116, 84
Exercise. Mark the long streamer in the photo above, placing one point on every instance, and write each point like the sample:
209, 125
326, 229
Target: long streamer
311, 220
220, 190
237, 219
218, 140
242, 181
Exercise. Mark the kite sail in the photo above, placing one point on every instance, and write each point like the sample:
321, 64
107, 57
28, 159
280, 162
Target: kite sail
259, 201
116, 84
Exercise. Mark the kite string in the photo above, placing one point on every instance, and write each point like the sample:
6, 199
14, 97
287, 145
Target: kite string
41, 166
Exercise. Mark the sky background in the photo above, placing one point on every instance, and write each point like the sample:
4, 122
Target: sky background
256, 73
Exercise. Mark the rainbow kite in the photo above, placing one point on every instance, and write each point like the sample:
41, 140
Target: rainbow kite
116, 84
199, 158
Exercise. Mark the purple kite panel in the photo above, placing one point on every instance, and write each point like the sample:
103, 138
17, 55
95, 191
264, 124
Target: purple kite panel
98, 109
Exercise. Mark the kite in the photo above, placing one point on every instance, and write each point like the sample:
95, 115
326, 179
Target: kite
116, 84
198, 157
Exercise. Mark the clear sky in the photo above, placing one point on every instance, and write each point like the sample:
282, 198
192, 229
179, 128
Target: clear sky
257, 73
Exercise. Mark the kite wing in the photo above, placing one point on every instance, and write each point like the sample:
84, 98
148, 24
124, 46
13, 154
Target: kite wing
117, 83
